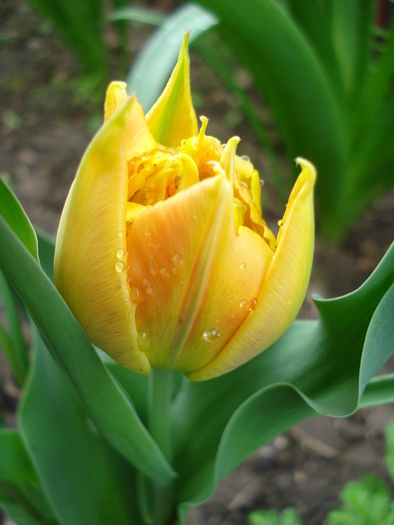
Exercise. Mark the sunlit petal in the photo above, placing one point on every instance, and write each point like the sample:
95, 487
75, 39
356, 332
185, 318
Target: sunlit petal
284, 286
172, 118
90, 258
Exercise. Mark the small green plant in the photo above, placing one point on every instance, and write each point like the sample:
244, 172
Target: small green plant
288, 516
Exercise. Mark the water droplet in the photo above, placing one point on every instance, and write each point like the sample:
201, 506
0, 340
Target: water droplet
135, 295
242, 265
150, 290
120, 254
252, 305
211, 335
242, 303
147, 231
233, 316
152, 271
145, 281
245, 157
174, 270
183, 281
120, 234
261, 182
143, 341
119, 267
176, 258
280, 222
163, 272
157, 243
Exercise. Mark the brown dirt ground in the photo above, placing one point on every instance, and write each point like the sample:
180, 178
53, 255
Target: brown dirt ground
44, 130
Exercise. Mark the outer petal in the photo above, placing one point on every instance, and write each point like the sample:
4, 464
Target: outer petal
138, 139
172, 118
202, 279
284, 287
90, 257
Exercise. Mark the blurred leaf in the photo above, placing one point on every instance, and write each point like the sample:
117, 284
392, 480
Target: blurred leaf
288, 516
12, 341
288, 72
152, 68
76, 464
106, 404
139, 14
364, 502
351, 23
389, 438
317, 366
21, 492
18, 221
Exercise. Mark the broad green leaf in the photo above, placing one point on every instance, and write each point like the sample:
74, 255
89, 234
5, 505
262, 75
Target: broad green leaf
12, 340
46, 249
105, 403
13, 213
379, 341
152, 68
309, 15
351, 22
317, 366
88, 482
379, 390
22, 494
288, 72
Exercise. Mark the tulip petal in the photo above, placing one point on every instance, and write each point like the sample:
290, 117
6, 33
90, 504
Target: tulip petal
285, 284
172, 118
201, 274
90, 257
138, 139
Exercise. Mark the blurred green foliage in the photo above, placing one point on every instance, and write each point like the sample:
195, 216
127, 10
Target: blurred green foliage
326, 73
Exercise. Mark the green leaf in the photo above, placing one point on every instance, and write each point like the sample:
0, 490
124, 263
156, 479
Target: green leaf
46, 248
22, 494
288, 516
106, 404
75, 463
317, 366
12, 341
142, 15
289, 74
389, 438
13, 213
364, 502
152, 68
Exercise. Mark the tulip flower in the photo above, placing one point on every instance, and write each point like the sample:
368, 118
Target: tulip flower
162, 253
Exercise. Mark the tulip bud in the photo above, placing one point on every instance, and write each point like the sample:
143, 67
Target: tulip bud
162, 253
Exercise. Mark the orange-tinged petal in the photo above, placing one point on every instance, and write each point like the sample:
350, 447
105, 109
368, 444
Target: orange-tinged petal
138, 139
284, 286
187, 264
90, 257
172, 118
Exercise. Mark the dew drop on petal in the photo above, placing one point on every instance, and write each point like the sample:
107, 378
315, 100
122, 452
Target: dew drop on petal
135, 295
183, 281
242, 265
176, 258
252, 305
150, 290
152, 271
163, 272
233, 316
242, 303
280, 222
174, 270
245, 157
211, 335
120, 254
119, 267
143, 341
145, 281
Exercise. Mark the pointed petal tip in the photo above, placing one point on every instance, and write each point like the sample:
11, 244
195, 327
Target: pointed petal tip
307, 168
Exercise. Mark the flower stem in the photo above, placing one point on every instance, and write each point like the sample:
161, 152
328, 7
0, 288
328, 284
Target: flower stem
159, 397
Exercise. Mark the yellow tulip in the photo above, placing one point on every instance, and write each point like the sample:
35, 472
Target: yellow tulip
162, 252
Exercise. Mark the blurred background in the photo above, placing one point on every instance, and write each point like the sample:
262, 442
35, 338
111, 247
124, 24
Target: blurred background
310, 78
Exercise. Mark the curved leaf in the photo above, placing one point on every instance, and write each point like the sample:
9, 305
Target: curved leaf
106, 404
76, 464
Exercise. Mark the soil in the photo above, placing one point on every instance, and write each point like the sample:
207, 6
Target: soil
44, 130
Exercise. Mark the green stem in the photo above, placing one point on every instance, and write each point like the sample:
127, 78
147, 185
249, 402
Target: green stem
159, 397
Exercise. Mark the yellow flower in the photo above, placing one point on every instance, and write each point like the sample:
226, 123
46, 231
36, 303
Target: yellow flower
162, 252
